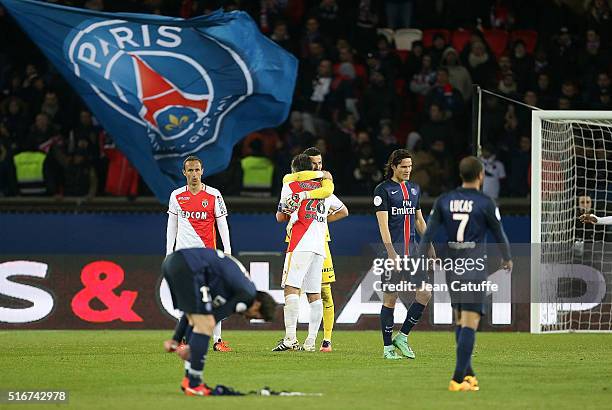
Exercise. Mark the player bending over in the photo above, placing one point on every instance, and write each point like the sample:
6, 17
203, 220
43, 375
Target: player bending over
328, 275
305, 254
466, 214
208, 286
398, 211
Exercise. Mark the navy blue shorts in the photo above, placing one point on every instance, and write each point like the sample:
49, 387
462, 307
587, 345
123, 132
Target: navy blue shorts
186, 286
416, 277
461, 297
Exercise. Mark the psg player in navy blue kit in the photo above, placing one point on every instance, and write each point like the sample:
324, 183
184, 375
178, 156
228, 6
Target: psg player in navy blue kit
398, 211
208, 286
467, 214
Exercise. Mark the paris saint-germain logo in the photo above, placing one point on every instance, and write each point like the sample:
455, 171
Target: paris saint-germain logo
413, 190
176, 83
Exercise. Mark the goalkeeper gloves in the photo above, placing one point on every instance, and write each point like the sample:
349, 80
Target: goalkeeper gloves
293, 202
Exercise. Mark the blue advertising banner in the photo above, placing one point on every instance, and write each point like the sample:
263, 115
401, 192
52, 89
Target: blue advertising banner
143, 234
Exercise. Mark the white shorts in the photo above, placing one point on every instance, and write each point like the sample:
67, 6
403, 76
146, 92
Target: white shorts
302, 270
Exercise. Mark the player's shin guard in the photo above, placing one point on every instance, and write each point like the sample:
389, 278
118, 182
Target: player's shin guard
217, 332
199, 346
465, 346
328, 311
291, 311
180, 329
386, 324
314, 323
412, 317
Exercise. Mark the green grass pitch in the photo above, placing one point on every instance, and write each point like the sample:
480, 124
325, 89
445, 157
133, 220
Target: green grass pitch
128, 370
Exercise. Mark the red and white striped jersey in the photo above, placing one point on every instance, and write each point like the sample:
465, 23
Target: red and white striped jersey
196, 216
308, 224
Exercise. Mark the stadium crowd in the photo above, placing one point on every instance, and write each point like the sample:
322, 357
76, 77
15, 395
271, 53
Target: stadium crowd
358, 96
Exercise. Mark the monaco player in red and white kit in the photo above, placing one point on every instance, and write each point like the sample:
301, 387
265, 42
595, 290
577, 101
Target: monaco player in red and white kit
195, 212
305, 255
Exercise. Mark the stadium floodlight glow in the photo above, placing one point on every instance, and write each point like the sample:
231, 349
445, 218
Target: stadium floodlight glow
571, 162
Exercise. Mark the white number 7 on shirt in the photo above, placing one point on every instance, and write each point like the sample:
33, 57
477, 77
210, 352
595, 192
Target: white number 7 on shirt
464, 218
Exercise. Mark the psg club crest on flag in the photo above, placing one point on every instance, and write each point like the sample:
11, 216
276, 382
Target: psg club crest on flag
152, 76
166, 87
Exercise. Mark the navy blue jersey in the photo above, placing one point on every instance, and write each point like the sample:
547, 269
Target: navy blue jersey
467, 215
226, 280
401, 201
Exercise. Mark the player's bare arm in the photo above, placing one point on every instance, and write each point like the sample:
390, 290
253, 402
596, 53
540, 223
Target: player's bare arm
592, 219
339, 214
282, 217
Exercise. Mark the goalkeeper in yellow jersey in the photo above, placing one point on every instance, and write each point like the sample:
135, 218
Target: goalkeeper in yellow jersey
328, 275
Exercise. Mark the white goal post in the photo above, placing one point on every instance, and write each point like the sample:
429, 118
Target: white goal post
571, 263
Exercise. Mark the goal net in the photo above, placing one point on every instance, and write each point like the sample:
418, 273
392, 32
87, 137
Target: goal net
571, 264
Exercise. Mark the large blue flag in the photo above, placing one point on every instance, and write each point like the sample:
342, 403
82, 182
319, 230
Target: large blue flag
165, 87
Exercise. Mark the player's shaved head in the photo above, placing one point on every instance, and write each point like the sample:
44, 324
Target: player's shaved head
301, 162
191, 158
470, 169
